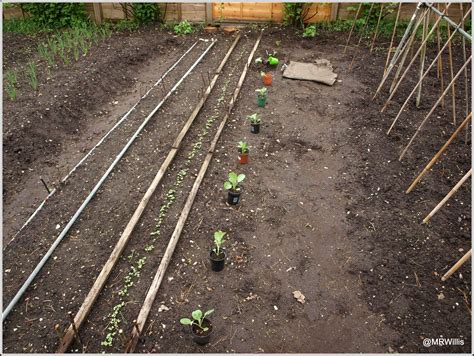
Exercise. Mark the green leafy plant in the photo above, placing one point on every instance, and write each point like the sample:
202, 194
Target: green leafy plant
183, 28
259, 60
218, 241
309, 31
144, 13
198, 318
56, 15
297, 13
243, 146
254, 119
262, 92
234, 181
31, 74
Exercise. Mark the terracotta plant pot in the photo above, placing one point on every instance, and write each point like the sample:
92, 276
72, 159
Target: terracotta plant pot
201, 337
243, 157
267, 79
233, 197
217, 261
261, 100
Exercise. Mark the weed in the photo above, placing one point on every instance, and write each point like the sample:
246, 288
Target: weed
309, 31
183, 28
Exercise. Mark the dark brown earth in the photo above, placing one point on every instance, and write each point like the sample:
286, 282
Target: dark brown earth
323, 211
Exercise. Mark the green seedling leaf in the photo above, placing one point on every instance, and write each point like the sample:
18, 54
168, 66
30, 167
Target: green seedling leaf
227, 185
209, 312
186, 321
240, 177
197, 315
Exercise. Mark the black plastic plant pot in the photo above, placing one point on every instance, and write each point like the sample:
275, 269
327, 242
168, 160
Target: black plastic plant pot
233, 197
217, 260
200, 336
255, 128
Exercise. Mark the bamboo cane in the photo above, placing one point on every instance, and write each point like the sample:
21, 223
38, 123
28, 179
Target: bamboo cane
422, 58
466, 87
400, 48
361, 35
410, 45
433, 108
376, 28
440, 62
416, 86
391, 40
446, 198
458, 264
451, 72
352, 27
438, 154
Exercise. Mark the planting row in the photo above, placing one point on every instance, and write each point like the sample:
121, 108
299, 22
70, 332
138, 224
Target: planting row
201, 325
60, 47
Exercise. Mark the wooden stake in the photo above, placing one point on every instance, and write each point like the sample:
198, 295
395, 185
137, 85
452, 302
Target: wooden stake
361, 35
76, 333
352, 27
438, 154
446, 198
458, 264
377, 28
466, 86
416, 86
451, 71
440, 62
400, 49
393, 37
433, 108
405, 54
122, 242
422, 57
153, 290
57, 329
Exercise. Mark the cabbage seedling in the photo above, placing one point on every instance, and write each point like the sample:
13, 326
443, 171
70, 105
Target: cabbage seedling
234, 181
243, 146
218, 241
254, 119
262, 92
198, 317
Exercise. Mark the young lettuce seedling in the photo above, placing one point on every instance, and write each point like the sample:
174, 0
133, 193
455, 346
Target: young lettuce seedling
198, 317
218, 241
234, 180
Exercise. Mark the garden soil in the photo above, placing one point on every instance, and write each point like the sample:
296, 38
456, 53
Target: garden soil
323, 212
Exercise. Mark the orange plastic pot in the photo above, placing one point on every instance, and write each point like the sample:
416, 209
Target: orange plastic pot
267, 79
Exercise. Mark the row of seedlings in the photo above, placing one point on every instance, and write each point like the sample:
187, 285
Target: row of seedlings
201, 326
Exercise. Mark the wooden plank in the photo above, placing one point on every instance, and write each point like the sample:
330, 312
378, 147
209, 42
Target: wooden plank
209, 18
97, 12
123, 240
334, 11
152, 292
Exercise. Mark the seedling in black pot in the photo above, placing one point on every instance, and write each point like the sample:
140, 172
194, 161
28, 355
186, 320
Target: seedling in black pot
233, 188
218, 254
201, 327
255, 122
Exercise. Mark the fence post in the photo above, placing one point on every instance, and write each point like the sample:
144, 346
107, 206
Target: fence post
209, 18
98, 13
334, 11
